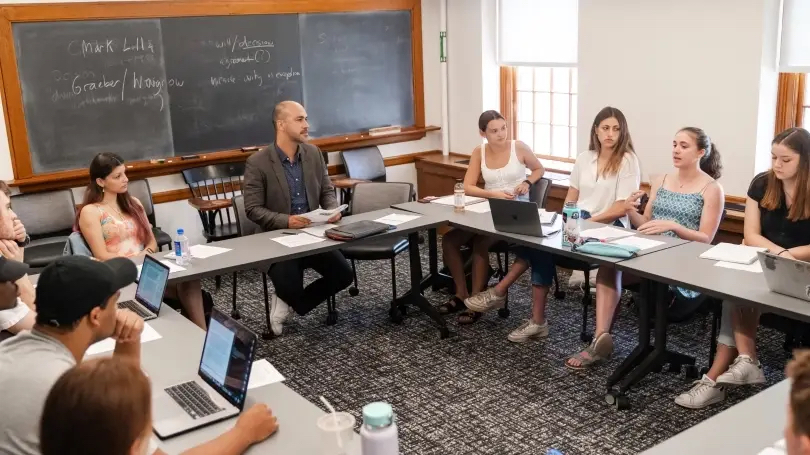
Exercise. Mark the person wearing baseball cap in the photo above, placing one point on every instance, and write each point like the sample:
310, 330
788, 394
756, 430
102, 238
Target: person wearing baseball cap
76, 300
21, 315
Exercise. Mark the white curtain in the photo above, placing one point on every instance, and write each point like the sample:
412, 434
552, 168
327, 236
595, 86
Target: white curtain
538, 32
794, 50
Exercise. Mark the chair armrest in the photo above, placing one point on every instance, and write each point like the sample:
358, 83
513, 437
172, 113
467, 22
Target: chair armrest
343, 183
204, 205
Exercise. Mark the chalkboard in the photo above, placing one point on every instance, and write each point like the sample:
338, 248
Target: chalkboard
156, 88
90, 87
357, 80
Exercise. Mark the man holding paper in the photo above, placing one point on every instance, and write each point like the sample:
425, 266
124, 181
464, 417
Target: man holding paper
284, 182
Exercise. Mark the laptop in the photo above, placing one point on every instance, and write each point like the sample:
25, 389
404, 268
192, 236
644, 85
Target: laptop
151, 286
220, 387
517, 217
786, 276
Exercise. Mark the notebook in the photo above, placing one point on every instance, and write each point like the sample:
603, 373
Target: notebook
729, 252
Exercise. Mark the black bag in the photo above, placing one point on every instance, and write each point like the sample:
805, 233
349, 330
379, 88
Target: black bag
356, 230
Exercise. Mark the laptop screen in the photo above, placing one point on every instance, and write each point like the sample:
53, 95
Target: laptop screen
227, 357
152, 284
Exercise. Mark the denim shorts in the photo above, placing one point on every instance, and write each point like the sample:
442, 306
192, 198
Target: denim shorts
542, 265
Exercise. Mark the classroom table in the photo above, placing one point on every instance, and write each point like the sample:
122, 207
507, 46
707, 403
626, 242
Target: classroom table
745, 428
175, 357
258, 252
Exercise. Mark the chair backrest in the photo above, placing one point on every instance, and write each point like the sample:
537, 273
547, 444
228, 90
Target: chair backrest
216, 181
370, 196
243, 224
76, 246
364, 164
46, 214
538, 193
140, 190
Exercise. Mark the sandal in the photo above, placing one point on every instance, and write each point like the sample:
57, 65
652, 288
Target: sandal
469, 317
453, 305
596, 353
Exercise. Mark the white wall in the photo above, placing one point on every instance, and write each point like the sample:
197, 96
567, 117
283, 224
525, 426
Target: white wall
686, 63
173, 215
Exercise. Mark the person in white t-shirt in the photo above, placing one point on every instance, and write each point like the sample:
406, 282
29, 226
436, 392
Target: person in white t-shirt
13, 237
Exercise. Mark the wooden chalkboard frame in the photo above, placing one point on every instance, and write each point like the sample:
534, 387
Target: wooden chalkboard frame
27, 180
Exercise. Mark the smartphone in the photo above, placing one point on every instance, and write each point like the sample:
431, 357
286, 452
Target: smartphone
427, 199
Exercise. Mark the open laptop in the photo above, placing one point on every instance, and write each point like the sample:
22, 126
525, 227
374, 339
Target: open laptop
786, 276
151, 286
220, 387
517, 217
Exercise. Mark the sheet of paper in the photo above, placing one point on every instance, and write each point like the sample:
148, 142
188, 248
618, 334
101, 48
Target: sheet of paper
200, 252
320, 216
605, 233
450, 200
263, 373
640, 242
754, 267
108, 345
551, 229
173, 267
292, 241
481, 207
395, 219
319, 231
729, 252
772, 451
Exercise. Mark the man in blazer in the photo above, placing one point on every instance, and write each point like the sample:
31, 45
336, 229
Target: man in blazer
282, 182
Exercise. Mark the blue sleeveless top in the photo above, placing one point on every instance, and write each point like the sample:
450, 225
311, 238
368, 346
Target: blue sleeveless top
682, 208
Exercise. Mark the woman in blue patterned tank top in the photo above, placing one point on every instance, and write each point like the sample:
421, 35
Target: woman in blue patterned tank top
688, 204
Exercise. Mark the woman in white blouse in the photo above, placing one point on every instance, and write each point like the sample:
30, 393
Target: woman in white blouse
602, 178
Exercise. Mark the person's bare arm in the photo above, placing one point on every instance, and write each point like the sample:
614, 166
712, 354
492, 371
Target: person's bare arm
639, 219
713, 206
628, 181
752, 230
151, 242
572, 195
127, 335
613, 213
473, 174
26, 291
254, 425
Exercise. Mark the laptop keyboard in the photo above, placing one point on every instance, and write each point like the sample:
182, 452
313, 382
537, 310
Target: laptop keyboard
135, 308
193, 399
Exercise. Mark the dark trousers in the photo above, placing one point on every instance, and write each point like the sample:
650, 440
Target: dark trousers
288, 280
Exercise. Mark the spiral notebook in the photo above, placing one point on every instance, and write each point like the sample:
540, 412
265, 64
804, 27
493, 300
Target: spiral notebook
729, 252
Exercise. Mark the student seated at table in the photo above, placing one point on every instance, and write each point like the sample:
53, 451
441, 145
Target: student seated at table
114, 399
114, 224
797, 427
283, 182
605, 174
687, 204
13, 237
777, 217
11, 272
502, 164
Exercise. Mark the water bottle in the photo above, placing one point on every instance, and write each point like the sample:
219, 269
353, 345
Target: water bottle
571, 220
458, 196
379, 434
182, 255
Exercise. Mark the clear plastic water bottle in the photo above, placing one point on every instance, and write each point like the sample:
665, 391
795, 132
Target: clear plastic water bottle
458, 196
379, 434
182, 254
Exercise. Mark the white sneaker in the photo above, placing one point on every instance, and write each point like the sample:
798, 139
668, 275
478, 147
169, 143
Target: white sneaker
485, 301
576, 279
742, 372
527, 331
704, 392
280, 312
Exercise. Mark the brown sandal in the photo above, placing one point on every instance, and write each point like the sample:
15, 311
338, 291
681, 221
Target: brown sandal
469, 317
452, 305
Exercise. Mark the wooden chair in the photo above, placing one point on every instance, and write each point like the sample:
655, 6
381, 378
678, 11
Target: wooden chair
212, 188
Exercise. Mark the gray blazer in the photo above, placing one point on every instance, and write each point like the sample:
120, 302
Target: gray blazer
267, 195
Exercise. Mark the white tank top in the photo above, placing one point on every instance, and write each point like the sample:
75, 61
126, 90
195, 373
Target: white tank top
504, 178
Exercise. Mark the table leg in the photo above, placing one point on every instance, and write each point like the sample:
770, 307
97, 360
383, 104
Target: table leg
418, 283
643, 348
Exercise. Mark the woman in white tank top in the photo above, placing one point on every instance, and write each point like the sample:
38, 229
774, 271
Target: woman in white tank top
502, 164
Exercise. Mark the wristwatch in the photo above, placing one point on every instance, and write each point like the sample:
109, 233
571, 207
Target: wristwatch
528, 182
25, 242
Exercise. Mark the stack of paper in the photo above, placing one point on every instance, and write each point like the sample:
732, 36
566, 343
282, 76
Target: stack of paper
547, 217
263, 373
395, 219
200, 252
605, 233
170, 264
729, 252
319, 231
450, 200
296, 240
320, 216
754, 267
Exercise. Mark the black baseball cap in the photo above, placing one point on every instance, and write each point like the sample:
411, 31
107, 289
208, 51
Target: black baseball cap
70, 287
12, 270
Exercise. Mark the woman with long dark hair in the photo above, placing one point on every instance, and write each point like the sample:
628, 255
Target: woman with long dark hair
114, 224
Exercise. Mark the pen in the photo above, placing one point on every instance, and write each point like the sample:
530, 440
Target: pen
289, 233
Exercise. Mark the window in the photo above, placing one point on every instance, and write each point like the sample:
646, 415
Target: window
545, 110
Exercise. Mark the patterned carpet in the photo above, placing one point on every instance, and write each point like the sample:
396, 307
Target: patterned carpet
477, 393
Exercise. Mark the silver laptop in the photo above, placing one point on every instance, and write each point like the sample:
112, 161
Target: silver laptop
151, 286
786, 276
219, 390
517, 217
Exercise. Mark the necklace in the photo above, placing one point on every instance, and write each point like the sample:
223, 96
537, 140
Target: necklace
120, 215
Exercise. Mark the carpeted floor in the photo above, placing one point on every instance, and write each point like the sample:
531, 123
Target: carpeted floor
477, 393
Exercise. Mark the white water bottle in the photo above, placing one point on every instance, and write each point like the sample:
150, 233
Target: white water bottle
458, 196
182, 255
379, 434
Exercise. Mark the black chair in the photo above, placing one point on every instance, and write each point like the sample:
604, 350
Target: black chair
48, 218
375, 196
212, 188
364, 164
538, 193
247, 227
140, 190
